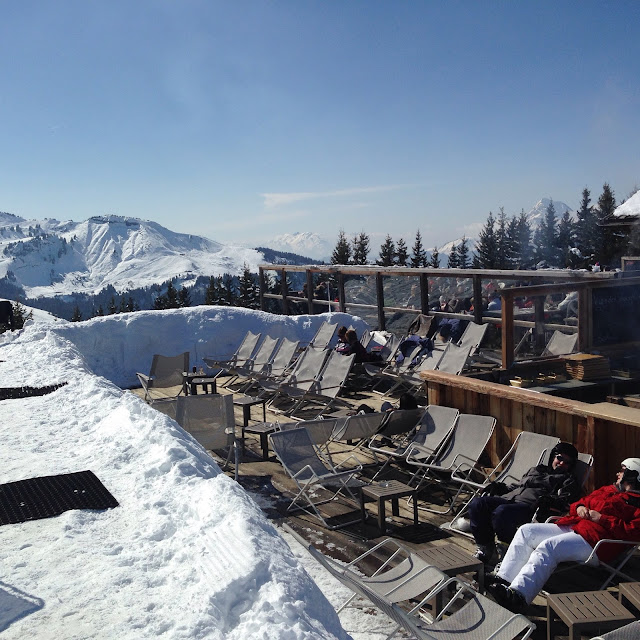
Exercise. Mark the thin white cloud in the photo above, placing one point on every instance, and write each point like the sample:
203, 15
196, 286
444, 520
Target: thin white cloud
273, 200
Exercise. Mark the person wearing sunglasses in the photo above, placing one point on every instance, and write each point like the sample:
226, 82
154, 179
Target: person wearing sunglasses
610, 512
502, 509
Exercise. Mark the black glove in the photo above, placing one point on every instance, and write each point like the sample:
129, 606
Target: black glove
496, 489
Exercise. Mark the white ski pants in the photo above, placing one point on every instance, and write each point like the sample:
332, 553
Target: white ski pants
535, 552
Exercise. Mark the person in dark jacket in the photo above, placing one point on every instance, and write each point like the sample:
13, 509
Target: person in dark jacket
611, 512
505, 508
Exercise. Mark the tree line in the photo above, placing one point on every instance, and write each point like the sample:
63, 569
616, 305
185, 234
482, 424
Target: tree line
510, 242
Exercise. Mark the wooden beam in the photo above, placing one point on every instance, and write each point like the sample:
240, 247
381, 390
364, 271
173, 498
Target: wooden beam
380, 302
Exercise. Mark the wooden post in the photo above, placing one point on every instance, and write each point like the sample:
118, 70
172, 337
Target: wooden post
285, 293
424, 293
263, 287
538, 315
507, 330
310, 291
341, 299
585, 326
380, 302
477, 299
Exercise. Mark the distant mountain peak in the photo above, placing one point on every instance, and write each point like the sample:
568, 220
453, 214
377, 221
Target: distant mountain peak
307, 243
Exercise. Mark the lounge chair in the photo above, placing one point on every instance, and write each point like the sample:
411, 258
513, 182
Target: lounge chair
257, 362
402, 576
281, 361
471, 616
432, 429
238, 359
472, 336
358, 428
319, 431
454, 359
459, 455
324, 335
211, 421
165, 375
527, 450
561, 344
630, 631
310, 471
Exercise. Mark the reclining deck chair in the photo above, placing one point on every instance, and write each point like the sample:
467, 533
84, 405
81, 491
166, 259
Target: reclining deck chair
358, 428
527, 450
324, 335
472, 336
257, 362
302, 462
431, 431
325, 388
238, 359
393, 372
454, 359
276, 368
211, 421
402, 576
320, 431
459, 455
165, 374
561, 344
470, 616
630, 631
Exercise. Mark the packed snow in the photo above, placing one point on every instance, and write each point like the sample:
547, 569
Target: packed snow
187, 553
629, 208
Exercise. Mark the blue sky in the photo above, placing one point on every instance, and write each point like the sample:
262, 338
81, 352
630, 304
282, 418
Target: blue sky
242, 120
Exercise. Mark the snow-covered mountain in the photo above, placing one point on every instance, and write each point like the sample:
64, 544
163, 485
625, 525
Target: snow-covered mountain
50, 257
306, 243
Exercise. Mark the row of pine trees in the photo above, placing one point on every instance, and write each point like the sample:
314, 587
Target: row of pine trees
510, 243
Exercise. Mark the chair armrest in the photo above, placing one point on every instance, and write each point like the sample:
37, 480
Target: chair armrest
357, 468
414, 447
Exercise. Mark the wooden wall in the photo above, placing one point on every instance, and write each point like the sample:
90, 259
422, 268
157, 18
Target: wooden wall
609, 432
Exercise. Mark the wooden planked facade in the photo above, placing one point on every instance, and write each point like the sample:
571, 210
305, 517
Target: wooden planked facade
609, 432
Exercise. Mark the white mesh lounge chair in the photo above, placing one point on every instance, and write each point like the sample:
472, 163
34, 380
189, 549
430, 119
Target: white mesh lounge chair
459, 455
402, 576
358, 428
431, 432
211, 421
453, 359
561, 344
257, 362
472, 336
528, 450
319, 431
393, 372
477, 617
165, 375
324, 335
281, 361
311, 472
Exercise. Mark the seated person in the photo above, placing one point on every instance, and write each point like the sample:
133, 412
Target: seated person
495, 303
354, 347
343, 345
611, 512
505, 508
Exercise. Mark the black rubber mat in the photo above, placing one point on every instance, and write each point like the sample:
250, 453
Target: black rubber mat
49, 496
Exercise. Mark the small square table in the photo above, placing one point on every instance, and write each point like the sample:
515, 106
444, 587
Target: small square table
453, 560
191, 382
263, 429
630, 591
246, 402
388, 490
597, 611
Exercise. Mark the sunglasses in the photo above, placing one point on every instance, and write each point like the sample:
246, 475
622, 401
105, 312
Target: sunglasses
561, 458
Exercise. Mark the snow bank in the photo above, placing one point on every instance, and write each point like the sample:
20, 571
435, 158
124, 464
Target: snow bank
118, 346
186, 554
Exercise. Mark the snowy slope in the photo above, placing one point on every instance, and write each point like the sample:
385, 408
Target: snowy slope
306, 243
187, 554
50, 257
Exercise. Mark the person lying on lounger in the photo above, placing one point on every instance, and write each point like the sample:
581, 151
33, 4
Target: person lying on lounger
610, 512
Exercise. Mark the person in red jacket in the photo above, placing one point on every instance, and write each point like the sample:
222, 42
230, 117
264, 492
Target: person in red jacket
610, 512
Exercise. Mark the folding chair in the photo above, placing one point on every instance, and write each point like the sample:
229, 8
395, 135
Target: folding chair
402, 576
628, 632
561, 344
431, 431
319, 431
472, 336
528, 450
280, 362
358, 428
459, 455
239, 358
257, 362
454, 358
324, 335
393, 372
211, 421
165, 374
310, 472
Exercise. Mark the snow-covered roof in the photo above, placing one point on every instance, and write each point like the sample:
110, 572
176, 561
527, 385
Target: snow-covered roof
629, 208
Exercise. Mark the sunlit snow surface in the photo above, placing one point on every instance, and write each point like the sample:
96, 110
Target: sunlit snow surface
187, 553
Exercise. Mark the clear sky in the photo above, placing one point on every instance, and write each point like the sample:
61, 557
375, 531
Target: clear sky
242, 120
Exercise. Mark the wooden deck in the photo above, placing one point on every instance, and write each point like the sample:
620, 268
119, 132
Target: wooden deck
272, 489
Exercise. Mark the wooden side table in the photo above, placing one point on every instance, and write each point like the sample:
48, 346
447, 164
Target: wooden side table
191, 382
389, 490
594, 611
263, 429
453, 560
246, 402
631, 592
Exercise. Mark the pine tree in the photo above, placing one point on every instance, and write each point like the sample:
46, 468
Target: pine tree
524, 255
503, 255
20, 315
248, 290
588, 234
184, 298
160, 303
435, 258
100, 311
463, 254
123, 305
402, 253
228, 290
211, 294
566, 240
387, 253
486, 249
77, 315
546, 238
419, 255
342, 252
132, 305
112, 306
361, 248
172, 296
452, 263
613, 242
